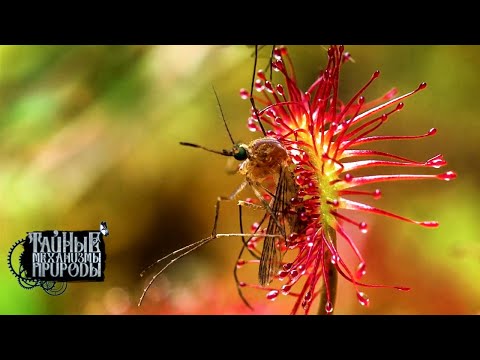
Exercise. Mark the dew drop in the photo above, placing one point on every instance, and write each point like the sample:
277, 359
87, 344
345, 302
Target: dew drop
300, 180
258, 85
432, 131
254, 227
286, 289
363, 299
348, 178
308, 296
400, 106
298, 169
334, 259
282, 274
449, 175
292, 237
244, 94
303, 216
422, 86
377, 194
346, 57
272, 295
287, 266
270, 133
269, 87
293, 273
278, 65
361, 270
301, 193
329, 307
361, 100
376, 74
252, 126
271, 113
295, 201
240, 263
304, 305
242, 284
261, 74
334, 203
430, 224
309, 231
363, 227
436, 162
283, 51
280, 90
277, 54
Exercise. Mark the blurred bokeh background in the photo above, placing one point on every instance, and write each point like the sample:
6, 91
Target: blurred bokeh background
91, 133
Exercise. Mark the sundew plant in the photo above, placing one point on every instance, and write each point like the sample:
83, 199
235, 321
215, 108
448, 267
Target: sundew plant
320, 135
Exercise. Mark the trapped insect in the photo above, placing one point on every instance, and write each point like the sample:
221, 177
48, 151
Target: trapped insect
267, 170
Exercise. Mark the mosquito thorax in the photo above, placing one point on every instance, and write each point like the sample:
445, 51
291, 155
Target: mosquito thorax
265, 157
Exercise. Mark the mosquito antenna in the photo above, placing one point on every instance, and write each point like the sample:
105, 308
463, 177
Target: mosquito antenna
251, 92
223, 116
223, 152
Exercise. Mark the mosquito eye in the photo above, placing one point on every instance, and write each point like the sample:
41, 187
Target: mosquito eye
240, 153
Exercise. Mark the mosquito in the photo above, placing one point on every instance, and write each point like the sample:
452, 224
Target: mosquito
261, 160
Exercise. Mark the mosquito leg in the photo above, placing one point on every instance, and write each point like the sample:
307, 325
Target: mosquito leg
252, 101
271, 62
225, 198
267, 207
245, 243
245, 246
235, 269
250, 205
267, 191
185, 251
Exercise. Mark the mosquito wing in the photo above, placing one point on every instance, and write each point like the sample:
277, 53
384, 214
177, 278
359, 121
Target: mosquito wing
271, 258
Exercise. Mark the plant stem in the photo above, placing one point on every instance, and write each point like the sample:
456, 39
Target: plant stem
331, 275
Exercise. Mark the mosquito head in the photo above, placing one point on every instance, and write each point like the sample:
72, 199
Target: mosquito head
240, 152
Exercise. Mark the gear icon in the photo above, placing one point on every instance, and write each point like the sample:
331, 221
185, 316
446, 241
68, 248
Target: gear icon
50, 287
9, 257
54, 288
